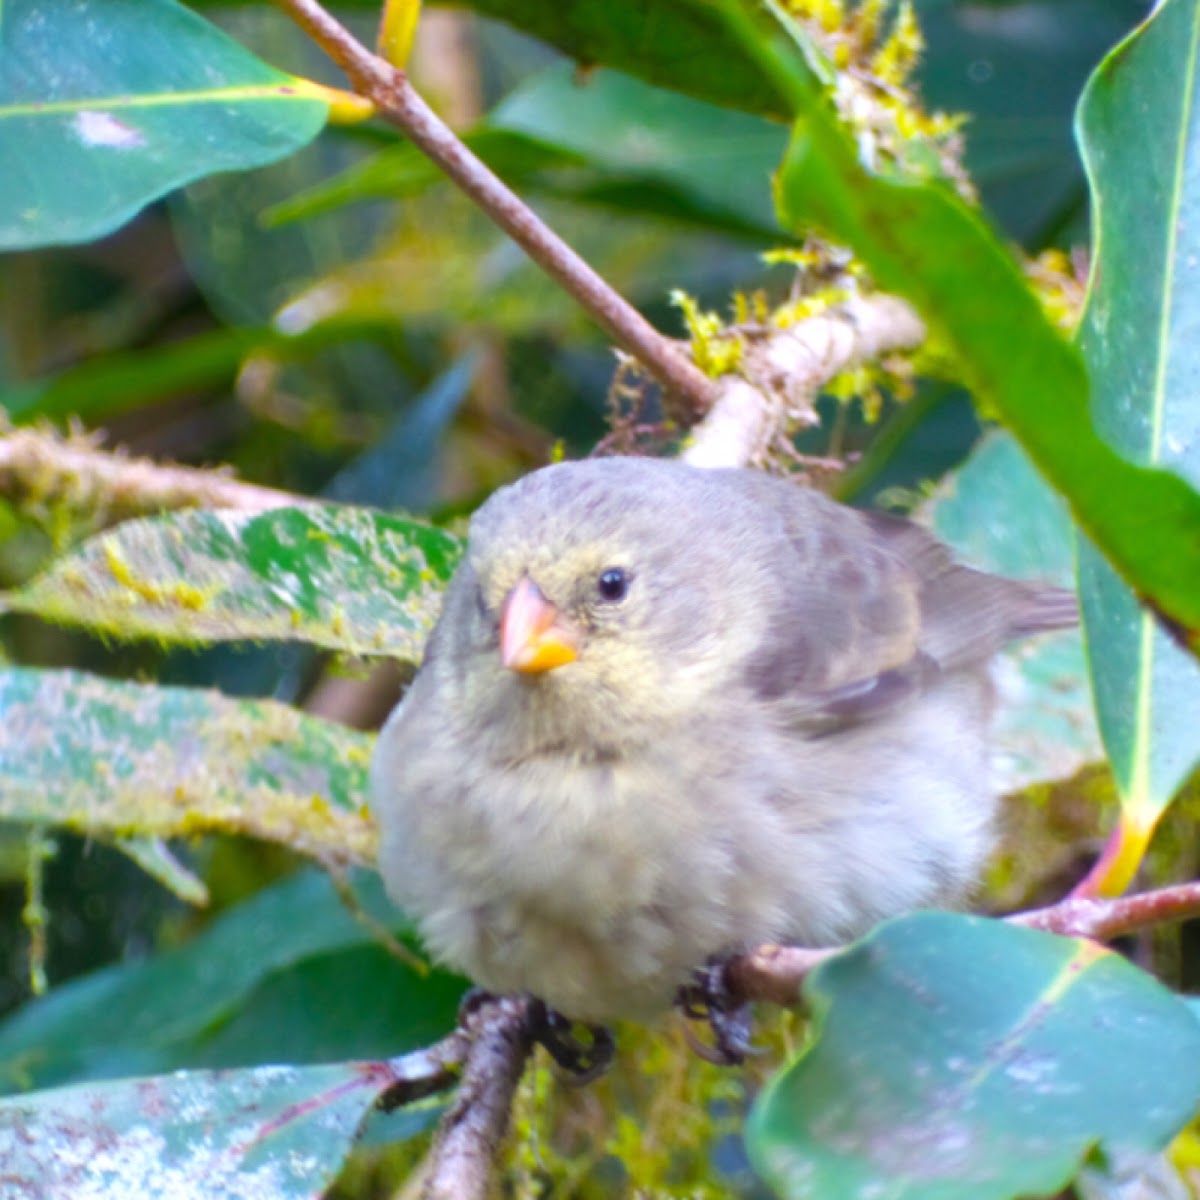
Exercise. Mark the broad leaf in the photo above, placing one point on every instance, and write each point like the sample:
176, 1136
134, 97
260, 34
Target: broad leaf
349, 579
678, 44
120, 759
922, 242
106, 105
1000, 515
289, 975
281, 1132
955, 1057
1139, 339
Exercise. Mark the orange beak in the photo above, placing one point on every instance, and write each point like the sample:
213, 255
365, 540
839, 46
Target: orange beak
531, 639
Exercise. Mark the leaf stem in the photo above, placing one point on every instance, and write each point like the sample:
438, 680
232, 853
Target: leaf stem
397, 101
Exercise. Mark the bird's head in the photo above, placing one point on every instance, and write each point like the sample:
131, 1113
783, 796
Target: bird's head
598, 590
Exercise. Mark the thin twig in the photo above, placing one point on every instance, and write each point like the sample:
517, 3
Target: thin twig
40, 468
423, 1072
397, 101
776, 973
460, 1164
1112, 918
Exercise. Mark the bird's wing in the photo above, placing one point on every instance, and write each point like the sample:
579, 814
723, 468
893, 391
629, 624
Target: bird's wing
871, 610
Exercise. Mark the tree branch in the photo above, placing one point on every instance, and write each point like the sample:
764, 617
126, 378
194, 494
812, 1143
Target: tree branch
1106, 919
423, 1072
785, 370
776, 973
460, 1164
397, 101
492, 1049
43, 468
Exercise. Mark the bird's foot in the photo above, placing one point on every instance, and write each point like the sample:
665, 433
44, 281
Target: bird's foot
473, 1000
707, 997
584, 1059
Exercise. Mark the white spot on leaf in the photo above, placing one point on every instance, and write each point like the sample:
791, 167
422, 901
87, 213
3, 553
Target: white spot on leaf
103, 129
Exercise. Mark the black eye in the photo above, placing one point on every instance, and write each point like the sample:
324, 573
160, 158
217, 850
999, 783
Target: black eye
613, 584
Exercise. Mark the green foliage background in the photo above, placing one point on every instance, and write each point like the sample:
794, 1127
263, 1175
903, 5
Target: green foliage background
340, 323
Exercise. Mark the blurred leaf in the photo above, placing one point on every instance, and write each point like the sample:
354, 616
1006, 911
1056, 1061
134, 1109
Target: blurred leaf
121, 759
679, 44
401, 171
1139, 339
353, 1003
662, 152
260, 984
923, 243
1017, 68
401, 469
610, 141
1000, 515
281, 1132
956, 1057
107, 104
349, 579
106, 386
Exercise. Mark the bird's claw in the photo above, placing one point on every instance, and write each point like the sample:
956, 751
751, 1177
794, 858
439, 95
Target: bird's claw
583, 1060
707, 997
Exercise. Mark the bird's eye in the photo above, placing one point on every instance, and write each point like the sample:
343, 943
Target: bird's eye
613, 584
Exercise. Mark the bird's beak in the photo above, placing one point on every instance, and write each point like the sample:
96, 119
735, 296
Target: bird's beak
531, 638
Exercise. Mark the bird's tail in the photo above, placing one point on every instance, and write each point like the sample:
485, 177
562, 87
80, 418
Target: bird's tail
1046, 608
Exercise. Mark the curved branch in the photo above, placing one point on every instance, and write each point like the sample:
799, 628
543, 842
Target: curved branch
396, 100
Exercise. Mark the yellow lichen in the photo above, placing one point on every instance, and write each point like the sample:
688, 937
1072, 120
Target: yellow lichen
716, 349
176, 594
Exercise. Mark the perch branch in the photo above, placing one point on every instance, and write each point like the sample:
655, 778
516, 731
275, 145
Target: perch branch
397, 101
460, 1164
788, 368
1106, 919
776, 973
41, 468
492, 1050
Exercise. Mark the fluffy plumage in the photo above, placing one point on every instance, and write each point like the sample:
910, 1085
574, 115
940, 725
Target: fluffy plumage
778, 733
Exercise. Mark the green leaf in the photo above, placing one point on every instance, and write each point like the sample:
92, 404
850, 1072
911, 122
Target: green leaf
120, 759
1138, 336
106, 386
289, 975
609, 141
658, 152
679, 44
106, 105
1000, 515
281, 1132
956, 1057
402, 171
923, 243
349, 579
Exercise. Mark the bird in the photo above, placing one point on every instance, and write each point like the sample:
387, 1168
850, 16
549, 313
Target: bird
670, 713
